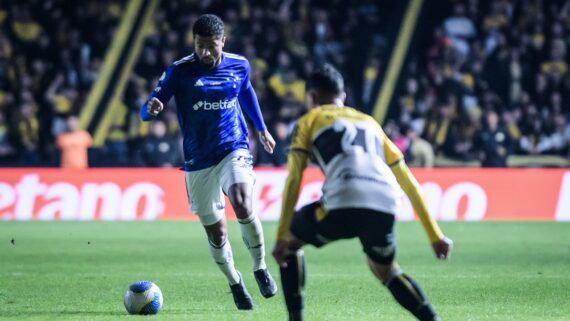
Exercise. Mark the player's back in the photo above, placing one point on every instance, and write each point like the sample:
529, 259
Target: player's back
354, 154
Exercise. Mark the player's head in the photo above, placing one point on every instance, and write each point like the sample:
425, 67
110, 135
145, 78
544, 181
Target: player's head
325, 86
209, 39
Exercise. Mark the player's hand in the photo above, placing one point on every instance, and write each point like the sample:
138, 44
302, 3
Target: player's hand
442, 248
267, 140
154, 106
280, 250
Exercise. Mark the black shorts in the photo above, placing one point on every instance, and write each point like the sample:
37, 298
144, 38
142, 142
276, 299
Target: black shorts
375, 229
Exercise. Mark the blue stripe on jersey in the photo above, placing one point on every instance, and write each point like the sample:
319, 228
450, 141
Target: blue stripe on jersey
208, 107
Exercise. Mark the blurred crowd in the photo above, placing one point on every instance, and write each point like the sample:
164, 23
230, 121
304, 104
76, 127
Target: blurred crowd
50, 55
51, 52
494, 82
283, 41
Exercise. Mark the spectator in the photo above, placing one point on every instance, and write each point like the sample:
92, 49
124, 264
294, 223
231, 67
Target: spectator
6, 149
559, 139
159, 149
510, 119
23, 26
28, 132
439, 122
460, 28
116, 144
420, 152
284, 81
516, 66
73, 145
370, 75
502, 56
493, 142
61, 102
460, 139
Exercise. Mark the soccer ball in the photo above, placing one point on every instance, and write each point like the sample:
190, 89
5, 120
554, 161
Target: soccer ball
143, 297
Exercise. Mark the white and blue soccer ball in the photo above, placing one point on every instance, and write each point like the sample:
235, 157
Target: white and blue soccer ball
143, 297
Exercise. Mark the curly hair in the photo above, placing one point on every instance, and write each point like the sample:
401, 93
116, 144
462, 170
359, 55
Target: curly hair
208, 25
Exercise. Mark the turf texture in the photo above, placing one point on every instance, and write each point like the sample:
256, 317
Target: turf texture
80, 271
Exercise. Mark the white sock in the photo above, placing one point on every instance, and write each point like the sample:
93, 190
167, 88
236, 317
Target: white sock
224, 259
252, 235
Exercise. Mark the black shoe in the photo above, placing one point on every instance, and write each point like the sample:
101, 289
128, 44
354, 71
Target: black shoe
265, 282
241, 296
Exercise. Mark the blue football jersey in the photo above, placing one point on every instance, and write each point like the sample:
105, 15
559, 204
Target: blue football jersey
208, 106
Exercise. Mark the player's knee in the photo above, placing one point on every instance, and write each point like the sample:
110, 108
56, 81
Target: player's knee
241, 200
242, 208
384, 272
217, 236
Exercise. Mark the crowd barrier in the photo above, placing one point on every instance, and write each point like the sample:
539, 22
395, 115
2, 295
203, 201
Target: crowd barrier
159, 194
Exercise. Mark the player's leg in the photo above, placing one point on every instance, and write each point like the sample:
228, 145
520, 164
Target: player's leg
293, 280
404, 289
237, 182
221, 250
378, 243
250, 225
206, 200
293, 276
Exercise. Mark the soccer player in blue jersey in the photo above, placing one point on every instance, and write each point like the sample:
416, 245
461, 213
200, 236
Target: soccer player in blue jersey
211, 87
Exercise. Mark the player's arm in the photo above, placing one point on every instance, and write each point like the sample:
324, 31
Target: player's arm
394, 158
413, 190
296, 163
248, 101
299, 152
159, 96
440, 244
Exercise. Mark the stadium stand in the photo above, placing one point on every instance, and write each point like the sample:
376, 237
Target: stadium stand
494, 57
482, 58
50, 55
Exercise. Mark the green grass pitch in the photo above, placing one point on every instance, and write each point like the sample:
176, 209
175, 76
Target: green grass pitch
80, 270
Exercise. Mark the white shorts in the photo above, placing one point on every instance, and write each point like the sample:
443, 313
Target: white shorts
206, 187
